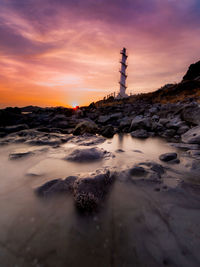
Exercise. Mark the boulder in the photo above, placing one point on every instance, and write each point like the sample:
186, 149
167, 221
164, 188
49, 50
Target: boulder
90, 191
183, 129
138, 171
88, 154
85, 127
56, 186
191, 114
108, 131
140, 122
140, 133
168, 157
15, 128
104, 118
192, 136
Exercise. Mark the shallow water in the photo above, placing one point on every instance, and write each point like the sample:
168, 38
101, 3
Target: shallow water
136, 227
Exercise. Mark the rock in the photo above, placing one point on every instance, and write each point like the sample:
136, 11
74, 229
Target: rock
19, 155
87, 140
90, 191
194, 153
155, 118
104, 118
169, 133
192, 136
137, 171
168, 157
140, 133
154, 167
140, 122
191, 114
183, 129
16, 128
85, 127
193, 72
174, 123
85, 155
56, 186
119, 150
108, 131
185, 146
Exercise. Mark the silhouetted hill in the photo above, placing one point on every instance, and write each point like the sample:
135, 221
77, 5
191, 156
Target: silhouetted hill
193, 72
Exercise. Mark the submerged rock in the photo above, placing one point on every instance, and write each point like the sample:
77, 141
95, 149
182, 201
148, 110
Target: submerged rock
168, 157
56, 186
90, 191
18, 155
88, 154
138, 171
140, 133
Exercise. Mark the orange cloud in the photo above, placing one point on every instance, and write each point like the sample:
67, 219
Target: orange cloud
58, 53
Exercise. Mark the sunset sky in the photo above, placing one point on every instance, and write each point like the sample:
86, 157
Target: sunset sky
66, 52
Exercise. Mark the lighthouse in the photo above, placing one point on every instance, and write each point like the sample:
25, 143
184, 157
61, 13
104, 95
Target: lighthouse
123, 75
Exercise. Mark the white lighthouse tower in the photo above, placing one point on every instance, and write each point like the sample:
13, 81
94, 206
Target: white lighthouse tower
123, 75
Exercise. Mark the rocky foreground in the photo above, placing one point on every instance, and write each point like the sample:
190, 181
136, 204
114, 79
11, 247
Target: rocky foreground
169, 216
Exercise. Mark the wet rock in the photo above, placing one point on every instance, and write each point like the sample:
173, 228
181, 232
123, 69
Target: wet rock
56, 186
18, 155
194, 153
168, 157
140, 122
169, 133
137, 171
183, 129
185, 146
89, 192
140, 133
87, 140
108, 131
15, 128
119, 151
191, 114
175, 123
2, 134
85, 127
154, 167
104, 118
85, 155
192, 136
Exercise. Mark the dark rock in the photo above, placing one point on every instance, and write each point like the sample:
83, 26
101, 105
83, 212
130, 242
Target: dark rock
56, 186
85, 155
193, 72
140, 133
168, 157
89, 192
140, 122
19, 155
15, 128
192, 136
137, 171
108, 131
191, 114
119, 150
85, 127
183, 129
